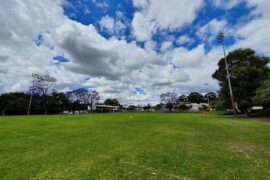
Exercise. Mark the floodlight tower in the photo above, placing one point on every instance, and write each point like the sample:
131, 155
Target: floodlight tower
221, 40
31, 91
207, 95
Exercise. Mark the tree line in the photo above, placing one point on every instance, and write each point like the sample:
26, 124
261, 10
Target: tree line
42, 99
17, 103
171, 99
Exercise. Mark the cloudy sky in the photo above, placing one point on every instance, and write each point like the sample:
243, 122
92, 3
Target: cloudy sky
132, 50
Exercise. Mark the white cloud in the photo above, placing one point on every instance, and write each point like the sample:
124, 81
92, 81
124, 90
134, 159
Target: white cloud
210, 30
21, 23
107, 22
254, 34
184, 40
161, 15
165, 46
183, 57
228, 4
100, 4
111, 25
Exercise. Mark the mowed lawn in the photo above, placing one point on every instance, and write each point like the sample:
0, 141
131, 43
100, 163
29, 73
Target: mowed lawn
134, 146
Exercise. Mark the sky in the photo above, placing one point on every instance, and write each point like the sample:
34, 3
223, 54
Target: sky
132, 50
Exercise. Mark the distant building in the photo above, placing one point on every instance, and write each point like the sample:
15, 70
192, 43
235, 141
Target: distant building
125, 108
256, 109
139, 109
105, 108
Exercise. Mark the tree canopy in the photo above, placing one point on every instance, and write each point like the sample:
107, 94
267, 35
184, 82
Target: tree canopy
13, 103
195, 97
183, 98
170, 99
247, 72
263, 95
111, 102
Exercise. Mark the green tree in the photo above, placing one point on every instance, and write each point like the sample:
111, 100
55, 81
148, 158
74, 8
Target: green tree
147, 107
14, 103
183, 98
247, 71
158, 107
263, 95
4, 103
111, 102
132, 108
212, 96
195, 97
58, 102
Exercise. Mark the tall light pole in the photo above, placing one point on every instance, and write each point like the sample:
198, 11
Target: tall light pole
208, 100
31, 90
221, 39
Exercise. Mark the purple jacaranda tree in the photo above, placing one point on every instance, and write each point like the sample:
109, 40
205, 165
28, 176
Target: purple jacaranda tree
70, 95
75, 103
81, 95
170, 99
41, 87
93, 98
89, 97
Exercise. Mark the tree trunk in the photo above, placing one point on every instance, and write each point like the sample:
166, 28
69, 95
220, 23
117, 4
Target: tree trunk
73, 108
3, 112
91, 107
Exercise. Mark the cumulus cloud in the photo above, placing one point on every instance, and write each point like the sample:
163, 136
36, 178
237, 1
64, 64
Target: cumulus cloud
157, 15
21, 23
107, 22
254, 34
113, 26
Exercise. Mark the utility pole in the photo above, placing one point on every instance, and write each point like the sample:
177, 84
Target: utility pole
31, 90
221, 39
208, 100
29, 105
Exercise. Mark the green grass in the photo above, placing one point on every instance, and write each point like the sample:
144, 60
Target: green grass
134, 146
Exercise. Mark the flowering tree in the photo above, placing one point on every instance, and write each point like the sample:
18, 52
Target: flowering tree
75, 103
170, 99
93, 98
85, 96
41, 87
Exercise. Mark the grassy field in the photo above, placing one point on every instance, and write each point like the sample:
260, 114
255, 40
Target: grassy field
134, 146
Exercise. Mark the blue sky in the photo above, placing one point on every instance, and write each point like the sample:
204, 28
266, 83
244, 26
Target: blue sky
132, 50
91, 12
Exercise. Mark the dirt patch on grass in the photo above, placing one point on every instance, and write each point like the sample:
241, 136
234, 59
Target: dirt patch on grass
249, 151
246, 150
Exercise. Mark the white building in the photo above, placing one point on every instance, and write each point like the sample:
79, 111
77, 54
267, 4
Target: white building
105, 108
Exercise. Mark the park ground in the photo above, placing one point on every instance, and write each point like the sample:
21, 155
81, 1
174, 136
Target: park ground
134, 146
